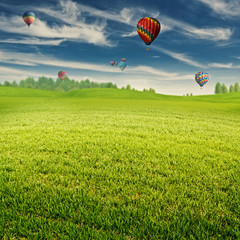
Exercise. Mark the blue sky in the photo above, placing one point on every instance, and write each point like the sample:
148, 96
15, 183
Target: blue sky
82, 37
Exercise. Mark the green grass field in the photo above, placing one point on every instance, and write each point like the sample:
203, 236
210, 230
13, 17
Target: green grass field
118, 164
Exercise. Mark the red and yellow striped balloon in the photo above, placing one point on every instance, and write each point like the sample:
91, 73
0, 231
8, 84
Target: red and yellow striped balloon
62, 75
148, 29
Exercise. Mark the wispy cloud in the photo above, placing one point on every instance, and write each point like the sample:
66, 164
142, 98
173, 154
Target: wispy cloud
139, 71
224, 65
77, 9
215, 34
73, 13
72, 24
37, 59
74, 27
130, 34
182, 57
211, 34
11, 74
130, 16
91, 33
31, 59
224, 7
163, 75
34, 41
17, 58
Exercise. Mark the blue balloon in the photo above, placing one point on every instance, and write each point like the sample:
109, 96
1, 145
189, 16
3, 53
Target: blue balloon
122, 65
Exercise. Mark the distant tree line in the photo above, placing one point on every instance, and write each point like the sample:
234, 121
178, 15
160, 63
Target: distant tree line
221, 88
65, 85
188, 94
151, 90
58, 85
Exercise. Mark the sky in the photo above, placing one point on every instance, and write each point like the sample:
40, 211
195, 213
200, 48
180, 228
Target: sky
82, 37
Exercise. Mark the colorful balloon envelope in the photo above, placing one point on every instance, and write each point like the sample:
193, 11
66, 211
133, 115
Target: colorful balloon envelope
62, 75
28, 18
148, 29
112, 63
201, 78
122, 65
123, 59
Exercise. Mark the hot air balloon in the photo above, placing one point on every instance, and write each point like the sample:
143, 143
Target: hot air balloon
62, 75
28, 18
116, 63
123, 59
202, 78
112, 63
122, 65
148, 29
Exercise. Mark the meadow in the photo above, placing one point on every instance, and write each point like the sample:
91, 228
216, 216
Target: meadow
118, 164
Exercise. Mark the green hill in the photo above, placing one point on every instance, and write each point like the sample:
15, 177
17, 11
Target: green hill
118, 164
26, 92
227, 97
109, 93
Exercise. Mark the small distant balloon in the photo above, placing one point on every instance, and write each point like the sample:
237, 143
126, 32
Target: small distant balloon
123, 59
62, 75
122, 65
112, 63
201, 78
116, 63
28, 18
148, 29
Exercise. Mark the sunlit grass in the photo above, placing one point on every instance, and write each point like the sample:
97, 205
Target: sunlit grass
85, 168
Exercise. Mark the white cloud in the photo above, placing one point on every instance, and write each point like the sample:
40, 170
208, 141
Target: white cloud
165, 27
224, 65
140, 71
182, 57
211, 34
74, 29
7, 70
130, 16
127, 15
214, 34
131, 34
17, 58
91, 33
37, 59
70, 11
224, 8
11, 74
73, 25
221, 65
162, 74
34, 41
145, 72
34, 60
